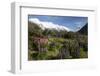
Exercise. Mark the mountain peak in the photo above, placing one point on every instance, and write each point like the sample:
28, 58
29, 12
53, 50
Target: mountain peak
48, 25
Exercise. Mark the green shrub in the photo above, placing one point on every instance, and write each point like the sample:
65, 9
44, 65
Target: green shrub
83, 54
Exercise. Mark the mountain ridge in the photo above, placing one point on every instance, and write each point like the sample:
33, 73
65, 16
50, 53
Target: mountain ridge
84, 29
49, 25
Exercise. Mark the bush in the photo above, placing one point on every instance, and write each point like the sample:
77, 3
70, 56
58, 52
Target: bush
83, 54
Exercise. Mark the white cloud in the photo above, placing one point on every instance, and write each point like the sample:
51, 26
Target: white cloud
49, 25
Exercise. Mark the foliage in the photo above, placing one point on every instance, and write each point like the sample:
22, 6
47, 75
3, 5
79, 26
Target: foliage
61, 44
83, 54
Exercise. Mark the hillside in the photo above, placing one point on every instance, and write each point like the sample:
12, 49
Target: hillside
84, 29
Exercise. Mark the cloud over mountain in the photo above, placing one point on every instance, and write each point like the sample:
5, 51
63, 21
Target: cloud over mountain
48, 25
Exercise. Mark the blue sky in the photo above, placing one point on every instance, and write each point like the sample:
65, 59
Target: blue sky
72, 22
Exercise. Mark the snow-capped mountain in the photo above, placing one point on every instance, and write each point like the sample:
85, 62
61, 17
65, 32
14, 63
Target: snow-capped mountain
48, 25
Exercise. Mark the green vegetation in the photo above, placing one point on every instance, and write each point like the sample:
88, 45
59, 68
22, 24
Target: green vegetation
51, 44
